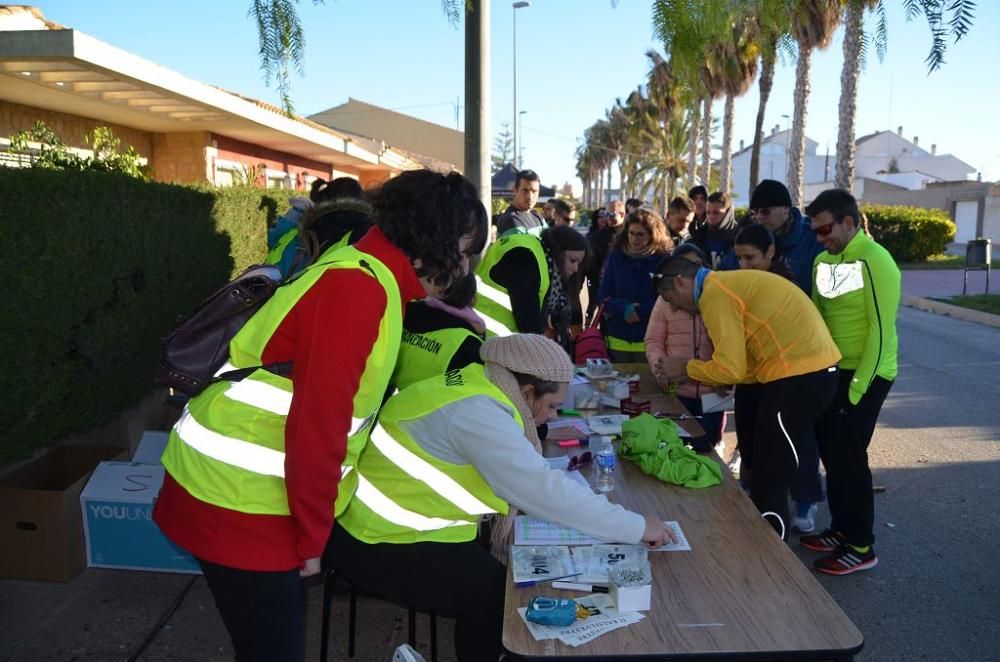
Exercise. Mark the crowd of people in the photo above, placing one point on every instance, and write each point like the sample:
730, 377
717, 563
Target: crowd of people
409, 430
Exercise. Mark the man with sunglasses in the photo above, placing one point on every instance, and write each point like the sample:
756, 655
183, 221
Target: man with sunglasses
857, 291
771, 206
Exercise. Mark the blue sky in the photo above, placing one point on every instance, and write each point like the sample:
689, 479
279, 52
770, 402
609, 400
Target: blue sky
574, 58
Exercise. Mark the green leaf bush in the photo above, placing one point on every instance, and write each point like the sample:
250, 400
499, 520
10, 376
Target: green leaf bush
910, 234
96, 268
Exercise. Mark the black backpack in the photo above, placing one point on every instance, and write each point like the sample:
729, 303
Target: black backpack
192, 354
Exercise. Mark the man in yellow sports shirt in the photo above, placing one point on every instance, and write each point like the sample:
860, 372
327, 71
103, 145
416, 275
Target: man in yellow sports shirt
765, 330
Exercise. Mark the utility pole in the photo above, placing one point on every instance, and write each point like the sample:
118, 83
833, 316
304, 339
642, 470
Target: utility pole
477, 98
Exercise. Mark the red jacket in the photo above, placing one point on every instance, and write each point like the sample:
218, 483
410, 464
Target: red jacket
327, 335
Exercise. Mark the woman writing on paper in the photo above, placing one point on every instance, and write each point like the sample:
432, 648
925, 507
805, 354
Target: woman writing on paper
443, 453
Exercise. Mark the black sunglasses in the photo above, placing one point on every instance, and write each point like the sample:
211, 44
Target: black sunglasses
581, 460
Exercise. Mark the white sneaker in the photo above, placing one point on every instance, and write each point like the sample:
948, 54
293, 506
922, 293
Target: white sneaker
734, 464
405, 653
805, 524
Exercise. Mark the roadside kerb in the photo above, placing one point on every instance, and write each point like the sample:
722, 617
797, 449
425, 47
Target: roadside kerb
958, 312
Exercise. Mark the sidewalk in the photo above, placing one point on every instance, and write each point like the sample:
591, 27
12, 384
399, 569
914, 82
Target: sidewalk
926, 283
921, 288
110, 616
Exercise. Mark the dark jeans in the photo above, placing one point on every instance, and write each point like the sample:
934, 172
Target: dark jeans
785, 416
459, 580
713, 424
844, 432
806, 485
264, 612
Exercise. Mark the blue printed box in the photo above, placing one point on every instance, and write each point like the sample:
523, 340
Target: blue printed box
118, 521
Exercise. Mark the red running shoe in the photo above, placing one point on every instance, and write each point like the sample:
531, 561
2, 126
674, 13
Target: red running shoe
846, 560
828, 541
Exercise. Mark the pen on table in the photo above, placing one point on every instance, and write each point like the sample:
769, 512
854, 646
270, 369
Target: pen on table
569, 412
534, 582
573, 586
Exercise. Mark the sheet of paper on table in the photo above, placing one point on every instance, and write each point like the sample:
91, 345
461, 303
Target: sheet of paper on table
568, 428
604, 618
531, 531
540, 562
562, 462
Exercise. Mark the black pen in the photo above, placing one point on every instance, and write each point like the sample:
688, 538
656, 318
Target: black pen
573, 586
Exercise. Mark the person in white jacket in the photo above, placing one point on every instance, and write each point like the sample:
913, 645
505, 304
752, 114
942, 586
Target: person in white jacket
447, 451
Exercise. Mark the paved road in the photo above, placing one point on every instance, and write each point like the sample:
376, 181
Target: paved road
935, 594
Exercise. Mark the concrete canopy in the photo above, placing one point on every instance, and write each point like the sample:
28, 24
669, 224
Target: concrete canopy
71, 72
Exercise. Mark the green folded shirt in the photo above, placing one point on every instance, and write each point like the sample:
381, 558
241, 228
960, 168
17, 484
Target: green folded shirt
655, 446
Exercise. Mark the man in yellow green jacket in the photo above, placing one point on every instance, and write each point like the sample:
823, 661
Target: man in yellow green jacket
765, 330
856, 287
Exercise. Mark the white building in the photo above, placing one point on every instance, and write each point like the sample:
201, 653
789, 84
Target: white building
774, 164
884, 161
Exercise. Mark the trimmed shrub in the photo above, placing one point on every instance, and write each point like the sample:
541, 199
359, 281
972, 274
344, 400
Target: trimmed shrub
910, 234
97, 267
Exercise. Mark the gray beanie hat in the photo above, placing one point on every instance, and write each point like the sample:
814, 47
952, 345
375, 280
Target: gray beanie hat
529, 354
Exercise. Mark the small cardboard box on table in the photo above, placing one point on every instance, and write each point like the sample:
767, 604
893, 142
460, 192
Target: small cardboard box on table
117, 509
40, 521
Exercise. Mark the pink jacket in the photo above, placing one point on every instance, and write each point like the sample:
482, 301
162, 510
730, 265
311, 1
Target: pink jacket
676, 333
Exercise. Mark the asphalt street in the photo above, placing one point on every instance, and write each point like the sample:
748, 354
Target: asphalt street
935, 594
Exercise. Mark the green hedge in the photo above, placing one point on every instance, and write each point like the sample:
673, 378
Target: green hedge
910, 234
96, 268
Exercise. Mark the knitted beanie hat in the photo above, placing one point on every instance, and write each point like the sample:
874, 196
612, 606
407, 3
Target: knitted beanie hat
529, 354
770, 193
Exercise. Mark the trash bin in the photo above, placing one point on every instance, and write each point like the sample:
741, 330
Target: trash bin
978, 253
978, 256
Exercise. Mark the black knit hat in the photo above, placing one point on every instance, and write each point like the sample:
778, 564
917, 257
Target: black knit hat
770, 193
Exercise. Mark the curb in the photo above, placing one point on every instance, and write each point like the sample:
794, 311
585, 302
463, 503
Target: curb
958, 312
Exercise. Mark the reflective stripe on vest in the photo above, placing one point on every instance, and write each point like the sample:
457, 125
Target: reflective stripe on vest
404, 478
396, 514
420, 469
228, 448
621, 345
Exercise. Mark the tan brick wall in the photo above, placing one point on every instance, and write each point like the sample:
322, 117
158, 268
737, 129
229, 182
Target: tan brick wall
70, 128
180, 157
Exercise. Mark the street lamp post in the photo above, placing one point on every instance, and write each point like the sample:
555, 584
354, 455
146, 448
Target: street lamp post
517, 5
520, 130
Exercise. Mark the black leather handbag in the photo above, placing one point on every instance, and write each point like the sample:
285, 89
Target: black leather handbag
192, 354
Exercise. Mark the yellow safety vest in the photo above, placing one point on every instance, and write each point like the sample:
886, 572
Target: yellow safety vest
493, 299
427, 354
228, 448
405, 494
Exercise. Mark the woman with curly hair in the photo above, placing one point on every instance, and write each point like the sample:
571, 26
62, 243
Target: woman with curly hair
523, 281
258, 468
626, 287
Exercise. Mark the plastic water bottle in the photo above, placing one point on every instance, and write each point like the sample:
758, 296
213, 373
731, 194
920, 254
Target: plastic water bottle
605, 461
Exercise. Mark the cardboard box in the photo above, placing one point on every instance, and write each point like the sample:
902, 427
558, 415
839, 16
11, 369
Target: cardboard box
118, 521
151, 447
40, 523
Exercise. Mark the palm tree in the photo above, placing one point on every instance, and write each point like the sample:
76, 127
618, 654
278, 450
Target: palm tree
687, 30
773, 35
813, 25
957, 15
737, 57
